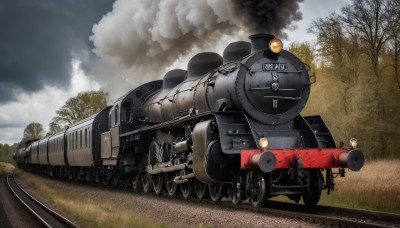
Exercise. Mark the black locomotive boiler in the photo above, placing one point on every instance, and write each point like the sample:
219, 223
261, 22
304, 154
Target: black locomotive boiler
228, 126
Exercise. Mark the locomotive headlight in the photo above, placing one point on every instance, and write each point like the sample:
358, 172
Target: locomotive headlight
275, 45
263, 143
353, 143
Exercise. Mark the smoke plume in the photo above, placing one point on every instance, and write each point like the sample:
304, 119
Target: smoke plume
144, 37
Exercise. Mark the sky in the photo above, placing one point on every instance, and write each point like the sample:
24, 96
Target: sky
50, 50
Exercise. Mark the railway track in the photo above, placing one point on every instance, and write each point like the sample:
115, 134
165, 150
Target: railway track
329, 216
325, 216
44, 215
319, 215
372, 217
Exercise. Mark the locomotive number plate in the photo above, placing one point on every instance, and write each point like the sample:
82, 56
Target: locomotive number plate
274, 66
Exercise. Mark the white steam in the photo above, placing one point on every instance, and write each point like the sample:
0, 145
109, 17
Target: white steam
143, 38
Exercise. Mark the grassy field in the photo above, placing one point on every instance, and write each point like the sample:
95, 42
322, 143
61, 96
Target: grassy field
375, 187
6, 167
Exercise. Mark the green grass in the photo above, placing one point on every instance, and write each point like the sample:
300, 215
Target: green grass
6, 167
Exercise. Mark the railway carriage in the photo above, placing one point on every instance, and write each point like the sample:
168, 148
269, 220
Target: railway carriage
42, 154
56, 154
82, 146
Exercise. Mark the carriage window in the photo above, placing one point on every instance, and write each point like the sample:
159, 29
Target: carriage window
85, 137
116, 114
80, 139
126, 110
76, 140
90, 138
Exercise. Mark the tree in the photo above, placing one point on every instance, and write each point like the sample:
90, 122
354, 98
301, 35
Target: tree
329, 33
33, 131
77, 108
305, 52
371, 20
340, 49
6, 152
394, 41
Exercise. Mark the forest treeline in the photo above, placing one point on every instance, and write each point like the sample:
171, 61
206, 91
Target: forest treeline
356, 61
6, 152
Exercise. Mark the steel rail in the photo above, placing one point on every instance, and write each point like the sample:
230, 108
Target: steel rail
51, 212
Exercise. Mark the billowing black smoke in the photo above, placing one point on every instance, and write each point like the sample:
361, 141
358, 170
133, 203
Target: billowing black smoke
270, 16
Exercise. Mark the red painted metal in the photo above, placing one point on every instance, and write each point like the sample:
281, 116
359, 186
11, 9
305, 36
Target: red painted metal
287, 158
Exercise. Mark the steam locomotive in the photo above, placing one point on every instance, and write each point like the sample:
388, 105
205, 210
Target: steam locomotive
228, 126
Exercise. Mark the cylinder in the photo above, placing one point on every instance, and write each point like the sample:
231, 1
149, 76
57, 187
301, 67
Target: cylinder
265, 161
182, 146
354, 160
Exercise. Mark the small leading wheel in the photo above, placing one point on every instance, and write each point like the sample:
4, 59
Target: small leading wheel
114, 179
186, 188
235, 193
200, 188
158, 182
257, 193
312, 194
170, 183
215, 192
145, 178
104, 179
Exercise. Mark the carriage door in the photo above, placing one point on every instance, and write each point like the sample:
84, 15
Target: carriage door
114, 128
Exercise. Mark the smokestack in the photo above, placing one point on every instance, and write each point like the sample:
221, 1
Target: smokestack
260, 41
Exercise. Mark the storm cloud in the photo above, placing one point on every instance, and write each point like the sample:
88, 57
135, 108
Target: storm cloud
39, 39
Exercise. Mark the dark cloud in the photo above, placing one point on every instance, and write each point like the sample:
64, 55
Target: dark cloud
39, 38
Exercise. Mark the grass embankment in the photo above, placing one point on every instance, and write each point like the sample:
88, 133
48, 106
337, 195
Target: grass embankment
6, 167
91, 212
375, 187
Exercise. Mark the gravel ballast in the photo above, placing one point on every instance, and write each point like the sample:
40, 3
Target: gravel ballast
173, 212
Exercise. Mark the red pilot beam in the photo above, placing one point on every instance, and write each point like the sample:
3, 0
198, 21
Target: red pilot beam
310, 158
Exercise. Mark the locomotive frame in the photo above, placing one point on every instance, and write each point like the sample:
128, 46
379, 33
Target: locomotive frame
228, 125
